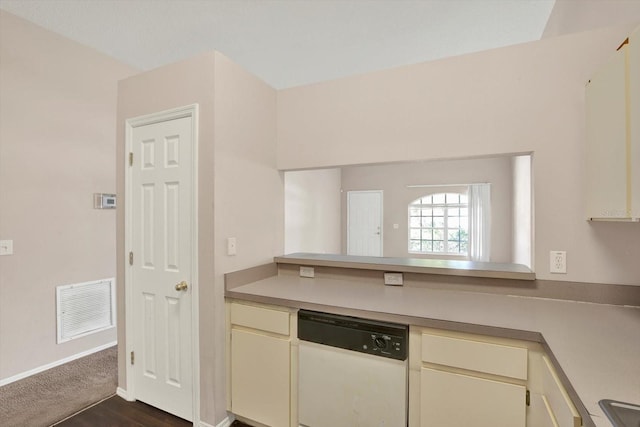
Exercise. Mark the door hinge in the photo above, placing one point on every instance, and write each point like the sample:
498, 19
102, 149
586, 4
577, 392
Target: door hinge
133, 357
528, 398
130, 258
130, 159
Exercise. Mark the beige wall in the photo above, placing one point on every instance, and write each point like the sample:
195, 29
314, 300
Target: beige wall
249, 191
393, 179
240, 192
57, 132
312, 211
519, 99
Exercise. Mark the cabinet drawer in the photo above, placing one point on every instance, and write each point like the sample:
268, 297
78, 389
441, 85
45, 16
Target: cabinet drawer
260, 318
476, 356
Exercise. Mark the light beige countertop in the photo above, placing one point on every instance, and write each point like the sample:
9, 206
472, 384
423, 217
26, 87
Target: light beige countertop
597, 346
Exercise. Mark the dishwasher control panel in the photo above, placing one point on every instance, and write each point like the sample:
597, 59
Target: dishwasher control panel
374, 337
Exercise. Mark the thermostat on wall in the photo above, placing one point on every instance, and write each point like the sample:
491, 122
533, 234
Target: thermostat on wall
104, 201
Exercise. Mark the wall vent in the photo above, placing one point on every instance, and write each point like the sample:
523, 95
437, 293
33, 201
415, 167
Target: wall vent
85, 308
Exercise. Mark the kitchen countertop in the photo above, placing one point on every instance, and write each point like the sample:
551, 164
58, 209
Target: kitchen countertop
597, 346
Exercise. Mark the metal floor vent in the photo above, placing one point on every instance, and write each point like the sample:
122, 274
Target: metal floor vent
85, 308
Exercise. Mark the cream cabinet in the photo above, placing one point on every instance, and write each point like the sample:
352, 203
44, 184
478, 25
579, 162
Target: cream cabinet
613, 136
559, 407
456, 399
260, 363
458, 379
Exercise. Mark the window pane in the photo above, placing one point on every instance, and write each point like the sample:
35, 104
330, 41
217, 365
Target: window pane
464, 236
453, 222
439, 229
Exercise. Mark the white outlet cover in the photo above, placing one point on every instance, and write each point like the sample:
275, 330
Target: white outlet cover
394, 279
307, 272
6, 247
558, 262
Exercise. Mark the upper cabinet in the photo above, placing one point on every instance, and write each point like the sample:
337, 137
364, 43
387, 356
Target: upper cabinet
613, 136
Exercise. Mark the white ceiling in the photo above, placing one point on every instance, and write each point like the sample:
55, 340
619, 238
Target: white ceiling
290, 42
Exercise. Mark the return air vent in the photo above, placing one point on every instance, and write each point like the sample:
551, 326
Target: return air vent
85, 308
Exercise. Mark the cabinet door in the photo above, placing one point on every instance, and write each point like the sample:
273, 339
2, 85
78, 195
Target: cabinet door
557, 399
452, 400
260, 378
607, 169
539, 413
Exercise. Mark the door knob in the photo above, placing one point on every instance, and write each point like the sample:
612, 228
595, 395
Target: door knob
182, 286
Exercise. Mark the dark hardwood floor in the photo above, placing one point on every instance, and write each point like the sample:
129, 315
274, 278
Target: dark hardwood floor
117, 412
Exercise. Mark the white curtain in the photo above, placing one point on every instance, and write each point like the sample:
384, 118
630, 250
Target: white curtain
479, 221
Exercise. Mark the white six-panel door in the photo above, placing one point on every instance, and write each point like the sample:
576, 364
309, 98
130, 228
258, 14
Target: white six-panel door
161, 277
364, 223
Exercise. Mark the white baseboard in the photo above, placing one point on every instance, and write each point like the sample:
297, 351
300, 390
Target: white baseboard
123, 394
224, 423
42, 368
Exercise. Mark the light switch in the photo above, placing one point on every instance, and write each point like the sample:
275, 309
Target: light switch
231, 246
6, 247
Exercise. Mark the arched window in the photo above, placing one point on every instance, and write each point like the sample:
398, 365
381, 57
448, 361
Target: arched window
439, 224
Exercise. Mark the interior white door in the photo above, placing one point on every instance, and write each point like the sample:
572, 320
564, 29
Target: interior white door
364, 223
161, 186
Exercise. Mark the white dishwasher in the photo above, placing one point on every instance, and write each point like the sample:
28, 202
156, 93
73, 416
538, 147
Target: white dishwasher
352, 371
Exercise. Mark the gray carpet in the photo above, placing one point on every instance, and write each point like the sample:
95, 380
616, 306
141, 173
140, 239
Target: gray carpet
50, 396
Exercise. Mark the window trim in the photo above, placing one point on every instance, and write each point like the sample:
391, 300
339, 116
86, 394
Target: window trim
461, 191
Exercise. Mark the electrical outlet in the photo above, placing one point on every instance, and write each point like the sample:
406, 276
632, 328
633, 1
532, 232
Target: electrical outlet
558, 262
307, 272
6, 247
393, 279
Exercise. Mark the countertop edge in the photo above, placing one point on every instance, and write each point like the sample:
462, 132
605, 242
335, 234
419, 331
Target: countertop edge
401, 265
